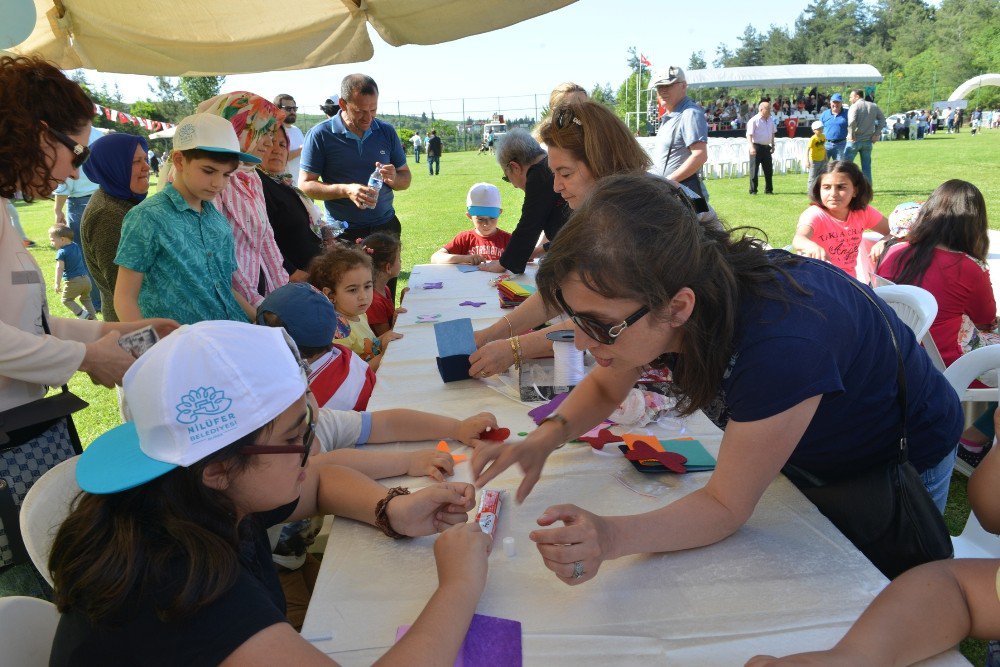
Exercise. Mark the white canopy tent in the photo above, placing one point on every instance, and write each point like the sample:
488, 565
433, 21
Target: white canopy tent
773, 76
204, 37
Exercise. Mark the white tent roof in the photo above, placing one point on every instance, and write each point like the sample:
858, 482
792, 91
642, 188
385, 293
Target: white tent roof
781, 75
202, 37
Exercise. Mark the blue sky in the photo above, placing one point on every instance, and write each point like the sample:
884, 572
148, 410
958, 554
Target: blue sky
505, 70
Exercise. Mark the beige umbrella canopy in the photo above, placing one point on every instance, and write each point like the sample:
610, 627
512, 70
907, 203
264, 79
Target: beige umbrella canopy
202, 37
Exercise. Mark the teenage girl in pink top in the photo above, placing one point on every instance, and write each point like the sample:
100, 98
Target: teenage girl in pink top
831, 228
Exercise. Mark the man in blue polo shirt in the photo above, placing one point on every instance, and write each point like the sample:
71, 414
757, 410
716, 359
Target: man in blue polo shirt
834, 122
681, 147
341, 153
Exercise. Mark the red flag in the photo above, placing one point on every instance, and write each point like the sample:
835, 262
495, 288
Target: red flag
644, 62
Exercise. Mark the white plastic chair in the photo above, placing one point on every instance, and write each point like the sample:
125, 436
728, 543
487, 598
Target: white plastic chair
914, 305
45, 507
967, 368
27, 627
975, 541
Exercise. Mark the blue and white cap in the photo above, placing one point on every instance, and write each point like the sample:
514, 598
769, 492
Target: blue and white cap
484, 199
198, 390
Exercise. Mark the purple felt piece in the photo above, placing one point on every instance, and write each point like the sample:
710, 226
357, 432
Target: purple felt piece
543, 411
432, 285
474, 304
490, 642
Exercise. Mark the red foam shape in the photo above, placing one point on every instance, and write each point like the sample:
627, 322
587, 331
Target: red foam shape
603, 437
643, 452
499, 434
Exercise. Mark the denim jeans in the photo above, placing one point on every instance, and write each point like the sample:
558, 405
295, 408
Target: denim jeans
865, 149
416, 154
74, 212
835, 151
434, 164
938, 479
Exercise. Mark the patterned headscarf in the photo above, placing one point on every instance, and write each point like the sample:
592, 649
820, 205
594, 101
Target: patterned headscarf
251, 115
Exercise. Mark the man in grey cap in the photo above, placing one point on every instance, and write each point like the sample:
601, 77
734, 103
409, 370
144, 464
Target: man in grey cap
682, 141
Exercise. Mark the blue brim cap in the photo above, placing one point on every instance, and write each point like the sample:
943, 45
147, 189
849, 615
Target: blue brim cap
114, 462
244, 157
485, 211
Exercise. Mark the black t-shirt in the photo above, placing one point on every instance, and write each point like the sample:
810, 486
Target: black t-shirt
290, 222
544, 210
434, 147
207, 637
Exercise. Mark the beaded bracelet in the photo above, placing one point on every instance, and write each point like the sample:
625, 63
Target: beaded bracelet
515, 347
381, 509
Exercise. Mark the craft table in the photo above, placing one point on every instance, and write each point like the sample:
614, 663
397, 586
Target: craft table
787, 581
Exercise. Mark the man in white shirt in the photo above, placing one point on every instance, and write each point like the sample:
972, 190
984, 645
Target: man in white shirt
760, 135
295, 138
418, 145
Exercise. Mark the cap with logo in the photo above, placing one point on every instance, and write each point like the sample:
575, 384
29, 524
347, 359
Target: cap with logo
836, 97
484, 200
307, 314
198, 390
208, 132
666, 76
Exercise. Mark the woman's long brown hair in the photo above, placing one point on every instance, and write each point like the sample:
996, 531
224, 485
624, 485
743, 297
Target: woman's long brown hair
32, 92
637, 237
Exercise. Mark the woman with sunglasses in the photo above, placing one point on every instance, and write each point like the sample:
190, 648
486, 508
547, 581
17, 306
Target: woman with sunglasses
785, 354
44, 121
164, 558
586, 142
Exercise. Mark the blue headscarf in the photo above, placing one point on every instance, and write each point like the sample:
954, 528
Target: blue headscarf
110, 164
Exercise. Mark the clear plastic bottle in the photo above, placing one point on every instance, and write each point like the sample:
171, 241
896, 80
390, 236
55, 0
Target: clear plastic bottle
375, 181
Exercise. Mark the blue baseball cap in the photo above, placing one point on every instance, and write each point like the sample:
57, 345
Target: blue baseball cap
836, 98
308, 316
192, 394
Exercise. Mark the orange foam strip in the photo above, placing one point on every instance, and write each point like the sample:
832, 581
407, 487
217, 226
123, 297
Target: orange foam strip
632, 438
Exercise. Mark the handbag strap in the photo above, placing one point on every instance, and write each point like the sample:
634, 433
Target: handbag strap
48, 332
900, 373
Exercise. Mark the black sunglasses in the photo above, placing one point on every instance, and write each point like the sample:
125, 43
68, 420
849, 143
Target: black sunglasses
606, 334
565, 117
303, 449
80, 153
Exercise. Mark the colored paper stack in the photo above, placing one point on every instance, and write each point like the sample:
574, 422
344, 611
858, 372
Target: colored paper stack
512, 293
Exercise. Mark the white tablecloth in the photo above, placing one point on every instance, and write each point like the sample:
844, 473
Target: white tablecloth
788, 581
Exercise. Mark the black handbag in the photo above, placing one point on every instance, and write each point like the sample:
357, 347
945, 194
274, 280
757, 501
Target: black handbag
885, 511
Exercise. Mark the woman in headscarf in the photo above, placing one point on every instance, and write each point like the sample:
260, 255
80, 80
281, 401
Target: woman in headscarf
259, 262
118, 165
294, 218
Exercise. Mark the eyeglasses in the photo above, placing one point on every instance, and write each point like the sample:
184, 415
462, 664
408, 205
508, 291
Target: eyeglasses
290, 108
565, 117
80, 153
505, 178
303, 449
606, 334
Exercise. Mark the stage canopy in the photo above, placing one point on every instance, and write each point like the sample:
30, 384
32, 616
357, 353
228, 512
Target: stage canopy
203, 37
774, 76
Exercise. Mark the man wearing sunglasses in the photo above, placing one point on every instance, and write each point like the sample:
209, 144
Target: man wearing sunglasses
286, 103
74, 194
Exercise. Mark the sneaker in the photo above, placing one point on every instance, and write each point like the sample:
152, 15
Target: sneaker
973, 458
28, 243
85, 315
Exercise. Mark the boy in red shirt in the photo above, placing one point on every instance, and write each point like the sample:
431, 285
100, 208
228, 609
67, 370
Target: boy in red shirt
485, 241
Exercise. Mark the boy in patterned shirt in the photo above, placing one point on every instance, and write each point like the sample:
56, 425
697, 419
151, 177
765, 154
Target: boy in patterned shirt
485, 241
176, 256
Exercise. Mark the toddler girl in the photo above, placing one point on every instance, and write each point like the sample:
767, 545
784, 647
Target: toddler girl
831, 228
384, 248
345, 276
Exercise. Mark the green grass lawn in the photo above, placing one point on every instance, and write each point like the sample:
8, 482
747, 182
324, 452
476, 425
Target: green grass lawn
432, 211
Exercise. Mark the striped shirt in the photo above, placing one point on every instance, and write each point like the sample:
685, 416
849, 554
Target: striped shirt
242, 202
341, 380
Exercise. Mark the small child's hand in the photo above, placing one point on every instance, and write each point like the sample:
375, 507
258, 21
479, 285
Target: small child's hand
388, 336
400, 310
469, 429
431, 463
476, 260
402, 295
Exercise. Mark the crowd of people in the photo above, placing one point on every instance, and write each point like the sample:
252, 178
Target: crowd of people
190, 541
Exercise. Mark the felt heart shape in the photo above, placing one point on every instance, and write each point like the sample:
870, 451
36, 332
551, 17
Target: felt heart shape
643, 452
603, 437
498, 434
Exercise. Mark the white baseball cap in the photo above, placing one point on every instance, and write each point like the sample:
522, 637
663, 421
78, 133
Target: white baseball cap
666, 76
484, 199
208, 132
817, 125
196, 391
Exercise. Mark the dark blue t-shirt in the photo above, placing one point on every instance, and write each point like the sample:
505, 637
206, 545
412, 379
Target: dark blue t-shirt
338, 156
72, 258
834, 343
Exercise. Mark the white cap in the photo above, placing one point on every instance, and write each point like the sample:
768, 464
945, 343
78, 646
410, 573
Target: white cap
194, 392
484, 199
208, 132
666, 76
817, 125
